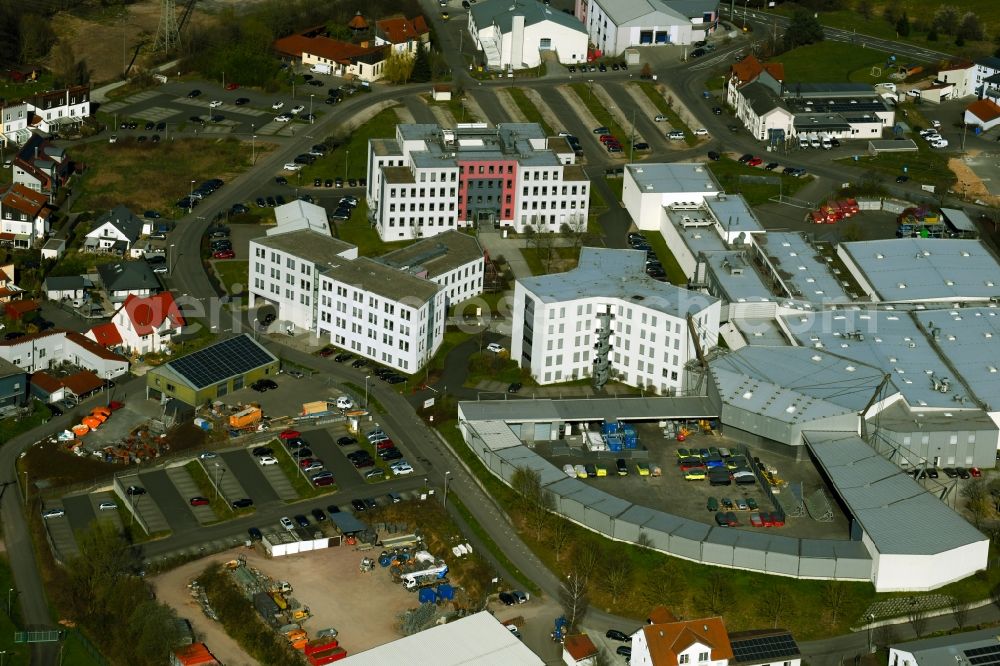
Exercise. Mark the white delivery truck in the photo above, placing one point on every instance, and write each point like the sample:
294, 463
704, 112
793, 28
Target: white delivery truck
320, 68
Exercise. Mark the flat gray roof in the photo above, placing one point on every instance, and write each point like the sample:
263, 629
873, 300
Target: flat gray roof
641, 12
370, 275
306, 244
958, 219
674, 177
970, 339
953, 649
436, 255
793, 384
697, 229
619, 274
886, 339
592, 409
445, 147
802, 267
917, 269
896, 513
737, 278
733, 213
501, 12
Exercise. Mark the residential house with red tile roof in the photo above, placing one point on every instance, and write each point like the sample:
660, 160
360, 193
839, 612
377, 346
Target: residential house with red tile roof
8, 289
147, 325
106, 335
984, 113
42, 167
24, 214
363, 61
402, 34
43, 350
706, 642
579, 650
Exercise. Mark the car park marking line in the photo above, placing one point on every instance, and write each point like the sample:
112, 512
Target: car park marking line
155, 113
187, 488
245, 110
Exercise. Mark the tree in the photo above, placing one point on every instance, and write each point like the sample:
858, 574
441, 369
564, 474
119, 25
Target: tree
587, 560
835, 596
37, 37
717, 593
865, 9
646, 72
536, 502
932, 35
560, 535
152, 632
421, 72
618, 575
774, 603
574, 598
398, 67
946, 19
977, 500
803, 28
891, 11
903, 26
971, 28
918, 618
661, 584
960, 611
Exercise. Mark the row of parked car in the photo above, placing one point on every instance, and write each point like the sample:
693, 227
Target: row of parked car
387, 375
717, 465
754, 161
593, 470
206, 189
653, 268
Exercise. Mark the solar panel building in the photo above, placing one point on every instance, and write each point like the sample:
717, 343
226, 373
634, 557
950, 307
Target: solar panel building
212, 372
972, 648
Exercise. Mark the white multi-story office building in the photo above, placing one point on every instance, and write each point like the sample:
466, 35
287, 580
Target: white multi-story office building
454, 260
284, 273
607, 316
428, 180
378, 312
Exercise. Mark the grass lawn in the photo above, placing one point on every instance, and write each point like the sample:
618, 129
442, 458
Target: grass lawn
728, 173
833, 62
453, 337
529, 110
484, 366
145, 176
347, 160
232, 273
76, 653
927, 166
11, 91
205, 487
674, 272
358, 231
299, 482
14, 426
616, 185
599, 112
649, 88
545, 260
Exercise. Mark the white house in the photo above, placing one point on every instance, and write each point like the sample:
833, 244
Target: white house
648, 188
284, 273
665, 641
56, 109
961, 75
402, 34
615, 25
24, 214
66, 287
579, 650
454, 260
513, 34
115, 232
985, 68
128, 278
54, 248
142, 325
16, 119
40, 351
607, 319
363, 62
984, 113
428, 180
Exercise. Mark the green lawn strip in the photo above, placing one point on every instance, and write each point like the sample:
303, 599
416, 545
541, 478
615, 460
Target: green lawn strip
207, 489
80, 263
728, 173
529, 109
535, 256
597, 203
495, 550
231, 273
348, 160
18, 654
928, 166
373, 404
616, 185
452, 338
75, 652
12, 427
137, 533
832, 62
661, 105
300, 484
487, 366
358, 231
599, 111
674, 271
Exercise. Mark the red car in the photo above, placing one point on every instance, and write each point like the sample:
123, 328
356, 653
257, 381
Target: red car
232, 86
604, 138
199, 501
755, 520
224, 254
305, 462
384, 444
328, 351
777, 520
766, 520
690, 464
114, 406
975, 472
324, 481
289, 434
755, 162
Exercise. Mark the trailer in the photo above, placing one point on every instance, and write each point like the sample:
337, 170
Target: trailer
432, 575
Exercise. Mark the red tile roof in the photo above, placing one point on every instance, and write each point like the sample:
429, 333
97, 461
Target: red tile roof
750, 68
358, 22
196, 654
666, 641
91, 346
984, 109
24, 200
661, 615
147, 314
579, 646
17, 309
46, 382
400, 29
323, 47
82, 382
107, 334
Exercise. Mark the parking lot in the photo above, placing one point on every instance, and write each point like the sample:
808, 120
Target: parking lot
673, 494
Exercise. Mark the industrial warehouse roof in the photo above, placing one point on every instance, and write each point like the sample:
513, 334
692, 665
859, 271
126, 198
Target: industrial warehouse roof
801, 267
616, 274
478, 639
981, 648
674, 177
794, 384
216, 363
589, 409
736, 278
306, 244
501, 12
733, 213
886, 339
923, 269
896, 513
626, 13
970, 339
696, 229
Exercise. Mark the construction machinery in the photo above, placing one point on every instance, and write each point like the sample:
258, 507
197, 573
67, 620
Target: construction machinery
561, 627
431, 575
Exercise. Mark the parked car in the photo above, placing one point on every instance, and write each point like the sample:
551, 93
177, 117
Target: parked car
242, 503
53, 513
198, 501
267, 460
302, 521
616, 635
286, 522
346, 441
135, 491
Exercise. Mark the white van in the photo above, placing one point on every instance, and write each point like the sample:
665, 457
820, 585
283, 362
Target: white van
320, 68
803, 141
825, 142
814, 142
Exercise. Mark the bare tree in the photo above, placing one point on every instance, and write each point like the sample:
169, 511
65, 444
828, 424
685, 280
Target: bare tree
618, 575
835, 595
774, 603
644, 540
536, 502
977, 500
717, 593
587, 560
560, 536
960, 611
574, 598
661, 583
918, 618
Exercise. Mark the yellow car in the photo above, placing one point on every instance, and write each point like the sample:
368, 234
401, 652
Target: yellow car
444, 16
601, 471
685, 453
642, 468
581, 472
695, 474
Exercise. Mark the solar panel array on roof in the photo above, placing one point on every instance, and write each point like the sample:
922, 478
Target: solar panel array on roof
221, 361
983, 656
764, 649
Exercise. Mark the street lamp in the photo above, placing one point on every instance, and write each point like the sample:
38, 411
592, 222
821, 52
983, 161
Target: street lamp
311, 119
871, 619
171, 255
347, 162
9, 592
446, 475
191, 198
367, 377
218, 476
